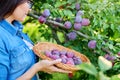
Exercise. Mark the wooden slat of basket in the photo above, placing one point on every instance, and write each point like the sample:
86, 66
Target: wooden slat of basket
41, 47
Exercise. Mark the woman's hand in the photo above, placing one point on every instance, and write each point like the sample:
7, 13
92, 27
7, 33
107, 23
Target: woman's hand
48, 66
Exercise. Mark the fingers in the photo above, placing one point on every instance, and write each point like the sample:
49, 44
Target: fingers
47, 71
56, 61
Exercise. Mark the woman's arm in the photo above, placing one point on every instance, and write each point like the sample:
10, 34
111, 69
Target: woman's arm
30, 73
44, 65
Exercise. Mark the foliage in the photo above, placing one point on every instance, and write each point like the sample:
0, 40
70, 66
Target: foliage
104, 28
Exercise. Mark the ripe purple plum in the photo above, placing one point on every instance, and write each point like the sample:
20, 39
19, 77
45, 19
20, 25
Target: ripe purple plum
64, 60
92, 44
70, 62
46, 13
72, 35
55, 52
48, 53
42, 19
69, 54
67, 24
77, 60
63, 56
54, 57
78, 19
77, 6
63, 52
77, 26
85, 22
109, 57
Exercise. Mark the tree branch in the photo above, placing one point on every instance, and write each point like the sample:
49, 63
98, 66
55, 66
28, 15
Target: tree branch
81, 34
106, 50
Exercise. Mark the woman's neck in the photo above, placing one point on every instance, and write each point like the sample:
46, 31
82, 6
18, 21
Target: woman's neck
10, 19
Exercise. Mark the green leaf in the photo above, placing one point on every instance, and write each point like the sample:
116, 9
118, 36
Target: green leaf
67, 13
104, 64
89, 68
115, 77
111, 46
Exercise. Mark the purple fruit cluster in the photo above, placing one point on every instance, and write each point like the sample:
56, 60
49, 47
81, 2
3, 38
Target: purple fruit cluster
43, 17
66, 56
92, 44
110, 57
79, 21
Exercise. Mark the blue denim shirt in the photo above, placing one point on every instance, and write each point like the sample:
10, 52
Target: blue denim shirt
15, 55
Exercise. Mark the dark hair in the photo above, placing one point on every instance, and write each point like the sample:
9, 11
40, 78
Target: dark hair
7, 7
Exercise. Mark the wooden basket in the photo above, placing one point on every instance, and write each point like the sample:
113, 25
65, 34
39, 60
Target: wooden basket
41, 47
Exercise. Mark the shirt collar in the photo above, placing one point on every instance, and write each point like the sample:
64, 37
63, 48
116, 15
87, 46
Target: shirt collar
12, 28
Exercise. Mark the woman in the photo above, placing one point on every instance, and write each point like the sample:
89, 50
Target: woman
17, 60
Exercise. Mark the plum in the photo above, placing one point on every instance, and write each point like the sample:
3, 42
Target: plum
85, 22
77, 60
64, 60
77, 26
55, 52
42, 19
72, 35
67, 24
92, 44
63, 56
46, 13
69, 54
54, 57
77, 6
63, 52
78, 19
69, 61
48, 53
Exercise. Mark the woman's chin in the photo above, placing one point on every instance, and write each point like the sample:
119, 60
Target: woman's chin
21, 20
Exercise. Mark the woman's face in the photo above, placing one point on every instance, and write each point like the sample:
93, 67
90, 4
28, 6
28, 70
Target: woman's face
20, 12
